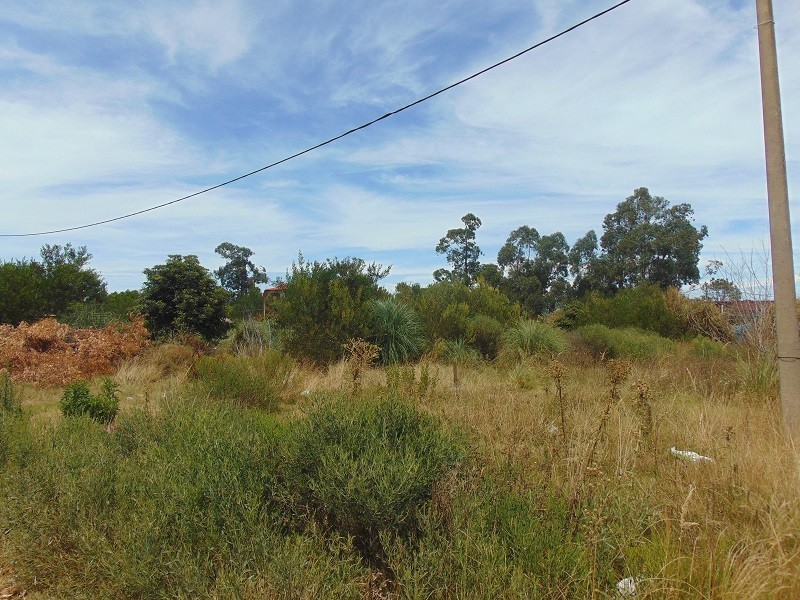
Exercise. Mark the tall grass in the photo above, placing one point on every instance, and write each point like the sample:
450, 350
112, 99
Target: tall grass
342, 497
257, 381
532, 338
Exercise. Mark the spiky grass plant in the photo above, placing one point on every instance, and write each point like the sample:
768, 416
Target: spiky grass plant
532, 338
396, 331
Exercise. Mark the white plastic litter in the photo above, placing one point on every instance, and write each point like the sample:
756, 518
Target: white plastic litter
689, 455
305, 393
552, 430
626, 587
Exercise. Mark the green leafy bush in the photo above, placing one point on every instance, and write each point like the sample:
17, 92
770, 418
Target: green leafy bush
255, 382
602, 342
484, 333
644, 307
367, 471
396, 331
325, 305
78, 400
531, 338
446, 308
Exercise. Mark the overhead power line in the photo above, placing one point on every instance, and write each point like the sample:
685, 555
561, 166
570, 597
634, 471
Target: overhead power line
331, 140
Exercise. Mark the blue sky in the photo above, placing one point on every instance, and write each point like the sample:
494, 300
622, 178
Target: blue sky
109, 108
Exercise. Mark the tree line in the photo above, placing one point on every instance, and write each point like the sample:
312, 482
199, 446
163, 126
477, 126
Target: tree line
645, 243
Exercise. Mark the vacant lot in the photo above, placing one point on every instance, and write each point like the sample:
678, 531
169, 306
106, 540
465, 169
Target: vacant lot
544, 477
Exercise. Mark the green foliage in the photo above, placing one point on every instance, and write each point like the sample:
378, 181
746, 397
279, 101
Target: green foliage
402, 381
11, 422
255, 382
78, 400
647, 241
484, 333
180, 296
238, 275
325, 305
535, 269
630, 343
367, 471
10, 400
396, 331
644, 307
447, 307
532, 338
30, 290
461, 251
707, 348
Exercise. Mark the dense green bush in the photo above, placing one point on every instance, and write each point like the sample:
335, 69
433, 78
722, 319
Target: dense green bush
531, 338
484, 333
78, 400
325, 305
708, 348
644, 307
604, 342
396, 331
446, 308
180, 296
367, 471
256, 381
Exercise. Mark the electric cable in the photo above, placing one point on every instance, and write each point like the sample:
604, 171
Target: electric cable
333, 139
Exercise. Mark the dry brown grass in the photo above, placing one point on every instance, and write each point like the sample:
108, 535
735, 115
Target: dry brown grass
727, 529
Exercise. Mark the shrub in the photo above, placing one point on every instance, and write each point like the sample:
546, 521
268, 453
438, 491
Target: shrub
78, 400
446, 308
396, 331
180, 296
367, 471
10, 415
708, 348
484, 333
531, 338
604, 343
255, 382
325, 305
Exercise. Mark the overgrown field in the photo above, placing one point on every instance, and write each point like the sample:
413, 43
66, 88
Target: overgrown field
547, 473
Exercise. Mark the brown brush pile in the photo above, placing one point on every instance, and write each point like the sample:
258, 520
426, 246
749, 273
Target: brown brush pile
51, 353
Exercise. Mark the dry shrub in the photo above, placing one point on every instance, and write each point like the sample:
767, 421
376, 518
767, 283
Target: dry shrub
700, 317
51, 353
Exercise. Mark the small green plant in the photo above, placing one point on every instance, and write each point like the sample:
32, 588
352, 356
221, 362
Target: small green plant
78, 400
402, 380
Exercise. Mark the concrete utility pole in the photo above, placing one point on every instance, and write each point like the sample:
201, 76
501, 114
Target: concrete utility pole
779, 224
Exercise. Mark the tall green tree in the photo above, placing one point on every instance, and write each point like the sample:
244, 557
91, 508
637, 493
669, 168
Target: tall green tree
648, 241
67, 278
535, 268
461, 251
181, 296
325, 304
21, 291
31, 289
239, 274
